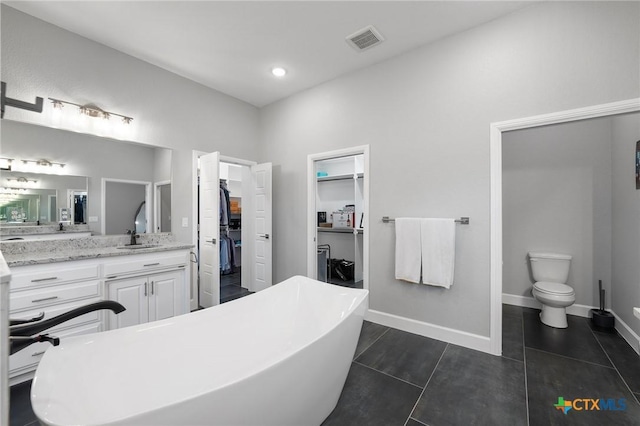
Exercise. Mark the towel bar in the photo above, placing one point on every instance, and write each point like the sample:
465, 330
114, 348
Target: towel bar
462, 220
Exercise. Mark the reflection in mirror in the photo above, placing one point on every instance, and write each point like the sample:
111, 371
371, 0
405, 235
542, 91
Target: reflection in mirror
37, 197
140, 219
162, 206
94, 158
79, 205
122, 203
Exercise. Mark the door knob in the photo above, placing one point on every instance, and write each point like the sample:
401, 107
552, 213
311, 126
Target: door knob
265, 236
213, 241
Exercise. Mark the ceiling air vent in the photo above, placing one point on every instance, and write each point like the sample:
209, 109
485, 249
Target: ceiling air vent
365, 39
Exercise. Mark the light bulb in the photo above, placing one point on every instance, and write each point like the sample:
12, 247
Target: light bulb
279, 72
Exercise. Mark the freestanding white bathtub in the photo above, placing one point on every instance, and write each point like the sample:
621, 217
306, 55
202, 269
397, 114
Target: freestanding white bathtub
278, 357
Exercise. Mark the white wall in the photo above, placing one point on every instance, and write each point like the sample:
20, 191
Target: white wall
426, 117
40, 59
556, 196
626, 214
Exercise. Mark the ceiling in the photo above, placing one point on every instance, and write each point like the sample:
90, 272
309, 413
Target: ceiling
231, 46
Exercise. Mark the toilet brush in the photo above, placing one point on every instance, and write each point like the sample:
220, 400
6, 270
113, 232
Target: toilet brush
600, 317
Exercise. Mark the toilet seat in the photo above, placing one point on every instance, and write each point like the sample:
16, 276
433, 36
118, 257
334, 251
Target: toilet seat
558, 289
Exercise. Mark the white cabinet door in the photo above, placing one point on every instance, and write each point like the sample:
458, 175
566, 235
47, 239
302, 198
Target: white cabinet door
132, 293
166, 296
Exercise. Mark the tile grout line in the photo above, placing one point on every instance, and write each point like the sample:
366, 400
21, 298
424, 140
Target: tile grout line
426, 384
415, 420
572, 359
512, 359
386, 374
524, 364
614, 365
372, 343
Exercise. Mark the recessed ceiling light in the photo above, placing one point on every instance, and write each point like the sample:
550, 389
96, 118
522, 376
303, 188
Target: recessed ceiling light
278, 72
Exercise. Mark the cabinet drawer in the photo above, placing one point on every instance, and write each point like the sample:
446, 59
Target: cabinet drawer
52, 311
31, 355
32, 299
29, 276
143, 263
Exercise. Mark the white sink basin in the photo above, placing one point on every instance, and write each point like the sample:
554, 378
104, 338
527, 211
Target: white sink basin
138, 246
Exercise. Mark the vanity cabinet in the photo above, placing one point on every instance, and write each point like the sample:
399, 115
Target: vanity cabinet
150, 287
52, 289
147, 298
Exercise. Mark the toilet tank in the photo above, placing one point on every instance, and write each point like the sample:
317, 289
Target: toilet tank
551, 267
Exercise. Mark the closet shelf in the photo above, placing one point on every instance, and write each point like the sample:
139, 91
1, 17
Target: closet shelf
339, 177
340, 230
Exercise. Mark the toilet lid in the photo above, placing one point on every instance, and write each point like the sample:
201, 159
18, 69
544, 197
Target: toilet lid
553, 288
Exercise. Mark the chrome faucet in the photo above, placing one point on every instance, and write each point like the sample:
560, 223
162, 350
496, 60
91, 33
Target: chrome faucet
23, 333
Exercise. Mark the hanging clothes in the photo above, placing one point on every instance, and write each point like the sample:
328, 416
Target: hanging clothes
227, 255
227, 245
224, 217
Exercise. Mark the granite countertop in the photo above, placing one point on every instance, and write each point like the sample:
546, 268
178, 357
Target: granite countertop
21, 253
18, 230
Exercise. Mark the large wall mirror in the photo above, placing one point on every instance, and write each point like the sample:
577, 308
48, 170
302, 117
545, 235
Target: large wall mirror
39, 193
27, 197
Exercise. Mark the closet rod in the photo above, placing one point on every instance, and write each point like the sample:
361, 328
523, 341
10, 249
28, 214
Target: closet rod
462, 220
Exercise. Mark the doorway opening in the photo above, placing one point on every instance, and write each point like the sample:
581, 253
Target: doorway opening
496, 131
233, 233
338, 203
125, 206
162, 206
233, 178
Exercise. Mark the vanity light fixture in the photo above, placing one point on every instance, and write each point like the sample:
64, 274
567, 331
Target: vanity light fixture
22, 179
90, 110
12, 191
279, 72
5, 164
41, 164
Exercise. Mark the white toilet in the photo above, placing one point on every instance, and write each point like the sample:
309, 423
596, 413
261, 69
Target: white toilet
551, 271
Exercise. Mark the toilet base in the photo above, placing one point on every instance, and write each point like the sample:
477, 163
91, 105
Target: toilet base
554, 317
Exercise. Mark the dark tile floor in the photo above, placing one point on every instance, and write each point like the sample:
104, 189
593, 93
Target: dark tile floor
231, 288
399, 378
348, 283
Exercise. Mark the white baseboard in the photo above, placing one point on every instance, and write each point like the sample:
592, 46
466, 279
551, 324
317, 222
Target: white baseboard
627, 333
530, 302
579, 310
450, 335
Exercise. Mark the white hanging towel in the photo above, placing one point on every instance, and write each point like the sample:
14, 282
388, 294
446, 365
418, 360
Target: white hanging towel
408, 258
438, 242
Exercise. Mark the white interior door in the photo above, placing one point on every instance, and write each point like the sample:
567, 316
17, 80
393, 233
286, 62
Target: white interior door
262, 234
209, 272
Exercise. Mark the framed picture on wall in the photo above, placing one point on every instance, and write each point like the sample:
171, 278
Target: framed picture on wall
638, 165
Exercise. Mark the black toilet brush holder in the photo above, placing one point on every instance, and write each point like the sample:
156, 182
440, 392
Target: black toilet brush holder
599, 317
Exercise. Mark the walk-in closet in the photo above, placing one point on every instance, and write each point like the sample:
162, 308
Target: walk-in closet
339, 187
234, 227
231, 177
